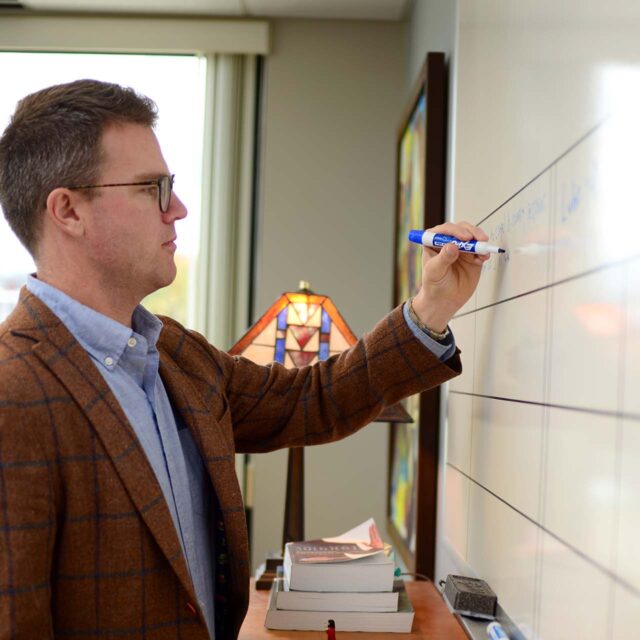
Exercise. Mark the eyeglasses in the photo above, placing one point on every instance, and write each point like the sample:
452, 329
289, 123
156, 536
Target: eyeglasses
163, 183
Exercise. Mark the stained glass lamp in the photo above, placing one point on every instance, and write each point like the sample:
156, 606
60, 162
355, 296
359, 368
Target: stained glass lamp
301, 329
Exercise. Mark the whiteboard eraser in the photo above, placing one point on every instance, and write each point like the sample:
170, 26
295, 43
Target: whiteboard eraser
470, 597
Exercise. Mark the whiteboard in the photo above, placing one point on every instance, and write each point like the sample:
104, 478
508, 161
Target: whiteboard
541, 473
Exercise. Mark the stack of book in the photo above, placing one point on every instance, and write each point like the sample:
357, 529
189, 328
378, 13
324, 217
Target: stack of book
348, 579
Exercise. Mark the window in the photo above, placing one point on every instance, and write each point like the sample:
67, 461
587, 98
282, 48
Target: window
177, 85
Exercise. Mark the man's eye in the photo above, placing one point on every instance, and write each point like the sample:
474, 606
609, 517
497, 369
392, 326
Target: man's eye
151, 189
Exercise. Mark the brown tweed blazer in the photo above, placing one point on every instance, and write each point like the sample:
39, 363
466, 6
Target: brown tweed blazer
87, 545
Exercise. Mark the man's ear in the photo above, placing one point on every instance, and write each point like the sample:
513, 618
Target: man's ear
62, 211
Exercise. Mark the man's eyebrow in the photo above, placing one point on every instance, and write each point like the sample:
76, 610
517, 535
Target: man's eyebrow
142, 177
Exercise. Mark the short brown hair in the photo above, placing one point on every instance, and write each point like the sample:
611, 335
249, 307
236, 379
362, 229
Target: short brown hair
53, 139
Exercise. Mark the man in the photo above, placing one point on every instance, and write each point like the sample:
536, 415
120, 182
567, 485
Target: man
120, 512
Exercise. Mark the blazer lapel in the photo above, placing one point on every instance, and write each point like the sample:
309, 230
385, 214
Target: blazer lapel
69, 362
217, 454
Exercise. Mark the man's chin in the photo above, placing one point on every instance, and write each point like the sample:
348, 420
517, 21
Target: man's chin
161, 281
165, 282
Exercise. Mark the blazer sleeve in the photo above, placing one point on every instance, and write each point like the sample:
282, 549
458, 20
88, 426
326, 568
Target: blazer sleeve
27, 532
274, 407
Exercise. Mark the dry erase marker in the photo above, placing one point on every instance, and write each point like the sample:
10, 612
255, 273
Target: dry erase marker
438, 240
496, 632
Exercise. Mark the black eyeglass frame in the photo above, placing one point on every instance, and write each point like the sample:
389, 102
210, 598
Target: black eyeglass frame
160, 182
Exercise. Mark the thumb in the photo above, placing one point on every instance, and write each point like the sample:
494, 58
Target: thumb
438, 266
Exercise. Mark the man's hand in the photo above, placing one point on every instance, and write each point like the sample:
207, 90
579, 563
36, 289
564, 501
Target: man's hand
449, 276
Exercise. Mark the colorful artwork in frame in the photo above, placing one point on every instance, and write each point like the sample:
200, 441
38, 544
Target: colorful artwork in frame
411, 201
413, 448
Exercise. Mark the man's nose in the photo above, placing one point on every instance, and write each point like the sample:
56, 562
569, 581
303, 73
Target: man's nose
176, 210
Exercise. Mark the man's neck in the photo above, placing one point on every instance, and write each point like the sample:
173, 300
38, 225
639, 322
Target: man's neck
114, 302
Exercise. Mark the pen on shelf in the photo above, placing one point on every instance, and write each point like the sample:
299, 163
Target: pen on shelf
438, 240
496, 632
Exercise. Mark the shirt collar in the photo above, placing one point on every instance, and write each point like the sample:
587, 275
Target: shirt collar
102, 337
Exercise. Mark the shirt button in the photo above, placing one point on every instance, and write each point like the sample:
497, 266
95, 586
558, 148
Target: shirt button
132, 342
108, 361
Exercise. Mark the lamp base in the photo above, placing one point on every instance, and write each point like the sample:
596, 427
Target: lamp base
267, 572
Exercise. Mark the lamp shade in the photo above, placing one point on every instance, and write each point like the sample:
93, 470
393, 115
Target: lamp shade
301, 328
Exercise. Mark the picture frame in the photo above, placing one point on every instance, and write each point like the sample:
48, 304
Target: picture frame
420, 203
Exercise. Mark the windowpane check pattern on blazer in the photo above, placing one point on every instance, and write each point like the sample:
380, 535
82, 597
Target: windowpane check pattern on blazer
87, 545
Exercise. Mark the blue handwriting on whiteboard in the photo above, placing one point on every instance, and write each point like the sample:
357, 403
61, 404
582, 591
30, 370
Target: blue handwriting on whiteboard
574, 193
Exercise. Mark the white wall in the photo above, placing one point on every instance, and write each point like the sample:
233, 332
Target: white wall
431, 28
334, 95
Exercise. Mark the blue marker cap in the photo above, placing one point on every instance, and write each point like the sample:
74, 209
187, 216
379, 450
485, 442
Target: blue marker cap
496, 632
415, 235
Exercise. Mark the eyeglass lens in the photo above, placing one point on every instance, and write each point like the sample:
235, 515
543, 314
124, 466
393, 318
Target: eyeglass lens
166, 184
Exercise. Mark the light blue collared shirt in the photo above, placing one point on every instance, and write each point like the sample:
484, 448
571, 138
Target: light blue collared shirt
129, 361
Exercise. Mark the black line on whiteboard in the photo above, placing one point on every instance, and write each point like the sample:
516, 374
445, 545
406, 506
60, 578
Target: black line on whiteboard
547, 168
494, 304
578, 276
600, 412
594, 563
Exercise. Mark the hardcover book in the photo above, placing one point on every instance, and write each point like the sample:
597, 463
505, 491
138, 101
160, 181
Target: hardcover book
356, 561
335, 601
399, 621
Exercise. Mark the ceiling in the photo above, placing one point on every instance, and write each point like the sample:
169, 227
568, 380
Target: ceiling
334, 9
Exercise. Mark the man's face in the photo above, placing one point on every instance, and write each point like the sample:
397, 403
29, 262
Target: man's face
131, 244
